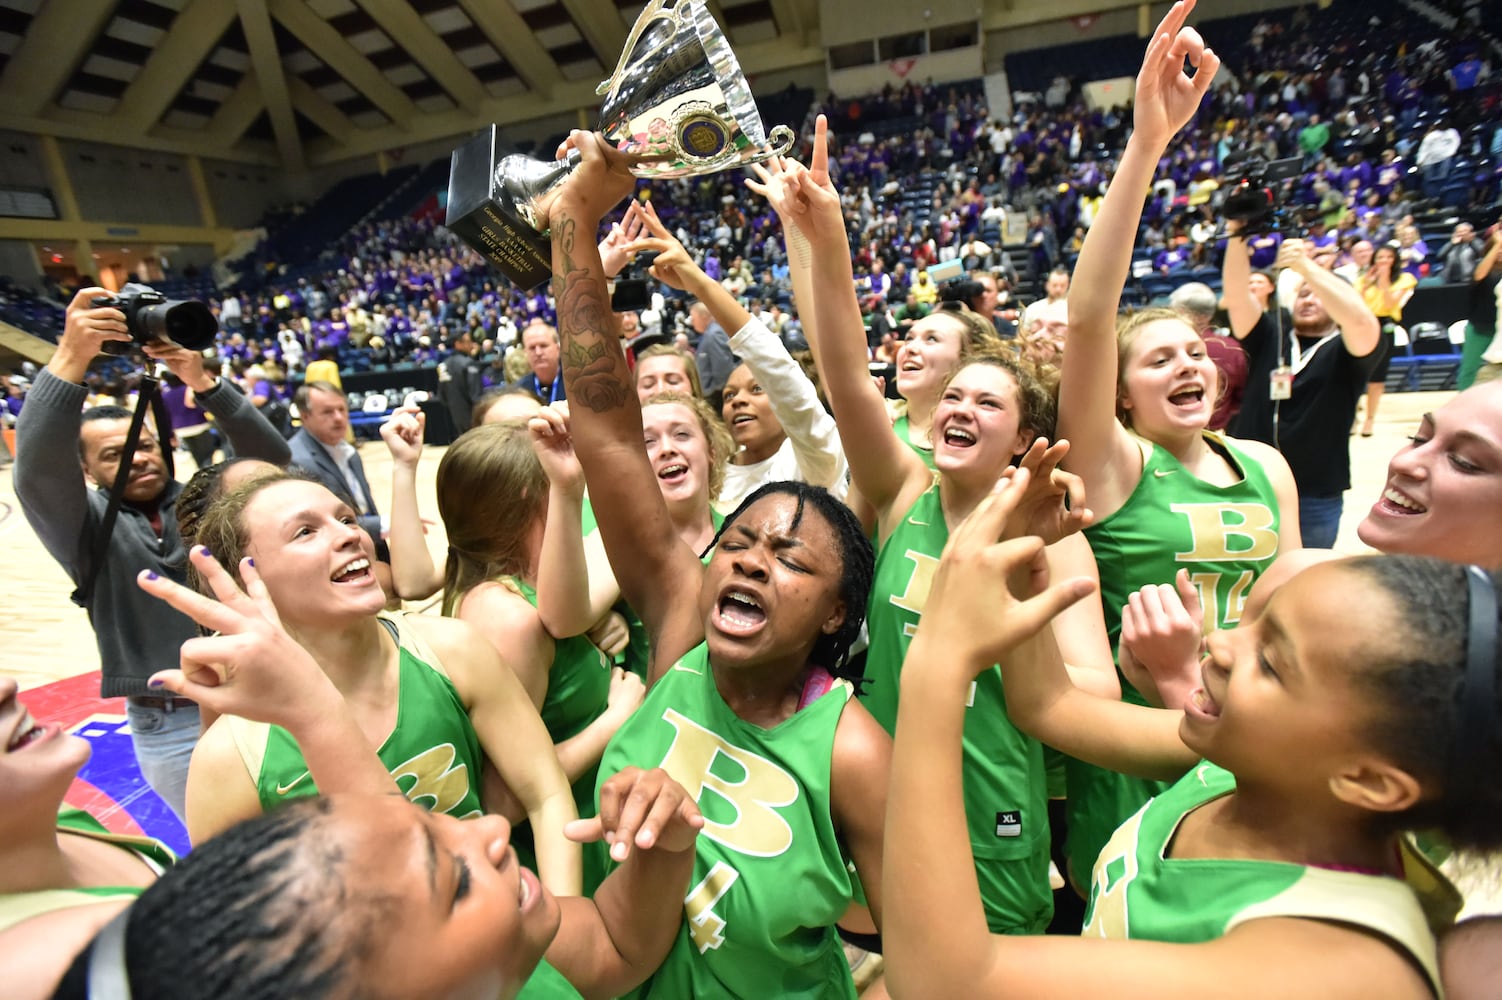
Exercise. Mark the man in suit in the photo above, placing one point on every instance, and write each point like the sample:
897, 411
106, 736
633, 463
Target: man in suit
320, 448
540, 341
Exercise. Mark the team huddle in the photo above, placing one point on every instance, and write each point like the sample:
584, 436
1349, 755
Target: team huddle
696, 714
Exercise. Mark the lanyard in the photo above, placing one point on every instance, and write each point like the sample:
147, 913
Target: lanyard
1301, 358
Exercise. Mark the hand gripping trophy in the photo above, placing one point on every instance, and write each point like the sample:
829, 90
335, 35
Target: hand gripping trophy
677, 95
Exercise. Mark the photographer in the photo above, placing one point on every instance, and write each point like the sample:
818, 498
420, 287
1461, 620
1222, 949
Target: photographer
137, 634
1323, 363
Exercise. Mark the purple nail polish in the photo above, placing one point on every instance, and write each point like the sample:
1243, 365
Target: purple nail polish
205, 550
151, 575
251, 561
155, 682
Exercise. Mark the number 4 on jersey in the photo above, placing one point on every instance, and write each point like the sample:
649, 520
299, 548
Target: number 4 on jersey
704, 925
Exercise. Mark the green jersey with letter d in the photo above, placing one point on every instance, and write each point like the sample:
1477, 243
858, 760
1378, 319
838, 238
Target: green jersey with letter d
432, 752
770, 877
1006, 805
1225, 536
1139, 891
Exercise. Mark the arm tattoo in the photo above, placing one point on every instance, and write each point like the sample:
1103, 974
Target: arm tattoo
594, 370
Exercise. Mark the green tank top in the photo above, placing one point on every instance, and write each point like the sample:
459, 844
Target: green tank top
1005, 786
637, 655
547, 983
432, 751
18, 907
905, 435
1139, 892
770, 877
1225, 536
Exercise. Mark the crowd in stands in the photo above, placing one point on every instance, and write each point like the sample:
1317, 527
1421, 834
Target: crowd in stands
1395, 124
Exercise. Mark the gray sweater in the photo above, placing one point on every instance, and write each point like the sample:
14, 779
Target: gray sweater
137, 634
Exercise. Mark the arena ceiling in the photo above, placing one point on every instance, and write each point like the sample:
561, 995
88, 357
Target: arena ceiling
302, 83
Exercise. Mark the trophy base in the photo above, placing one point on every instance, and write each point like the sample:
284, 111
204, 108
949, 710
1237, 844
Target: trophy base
483, 217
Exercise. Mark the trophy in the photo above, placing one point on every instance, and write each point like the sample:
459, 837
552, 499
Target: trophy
677, 94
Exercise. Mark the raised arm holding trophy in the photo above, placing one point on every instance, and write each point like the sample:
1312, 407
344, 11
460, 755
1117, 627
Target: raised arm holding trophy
677, 101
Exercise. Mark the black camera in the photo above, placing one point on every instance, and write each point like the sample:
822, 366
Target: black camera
152, 318
1254, 200
632, 293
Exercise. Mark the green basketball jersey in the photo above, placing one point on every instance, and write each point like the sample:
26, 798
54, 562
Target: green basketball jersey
578, 690
1139, 892
1006, 805
1225, 536
547, 983
432, 751
905, 435
770, 877
18, 907
637, 655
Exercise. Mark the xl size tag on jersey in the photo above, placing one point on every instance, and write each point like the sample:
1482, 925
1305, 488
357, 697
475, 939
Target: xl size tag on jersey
1009, 823
1281, 384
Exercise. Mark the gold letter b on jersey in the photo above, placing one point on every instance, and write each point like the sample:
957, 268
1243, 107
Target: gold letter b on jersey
435, 778
1214, 525
757, 829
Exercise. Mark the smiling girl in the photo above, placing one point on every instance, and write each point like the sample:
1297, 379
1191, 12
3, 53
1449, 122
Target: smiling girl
990, 412
369, 896
1275, 867
1172, 501
428, 692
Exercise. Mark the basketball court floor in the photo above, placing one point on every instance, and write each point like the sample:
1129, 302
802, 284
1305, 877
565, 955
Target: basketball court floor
49, 648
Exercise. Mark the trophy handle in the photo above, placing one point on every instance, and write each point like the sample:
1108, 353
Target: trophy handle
656, 9
780, 140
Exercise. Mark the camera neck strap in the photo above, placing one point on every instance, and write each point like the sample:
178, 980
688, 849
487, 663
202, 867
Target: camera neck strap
149, 396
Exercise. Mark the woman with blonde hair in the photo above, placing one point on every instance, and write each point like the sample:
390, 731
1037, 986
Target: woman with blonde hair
1181, 513
511, 503
428, 693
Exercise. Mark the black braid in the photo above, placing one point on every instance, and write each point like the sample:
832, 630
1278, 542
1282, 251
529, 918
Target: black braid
260, 912
858, 566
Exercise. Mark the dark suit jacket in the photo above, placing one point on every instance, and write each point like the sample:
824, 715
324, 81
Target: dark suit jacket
309, 454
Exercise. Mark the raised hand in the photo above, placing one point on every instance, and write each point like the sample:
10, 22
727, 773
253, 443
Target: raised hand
86, 329
804, 198
554, 447
185, 364
643, 809
613, 252
1053, 505
601, 180
989, 596
251, 668
1293, 254
1166, 96
1162, 637
403, 434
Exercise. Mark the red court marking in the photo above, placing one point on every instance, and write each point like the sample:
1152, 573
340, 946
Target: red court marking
71, 701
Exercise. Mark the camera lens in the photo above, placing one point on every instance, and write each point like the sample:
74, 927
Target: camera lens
188, 324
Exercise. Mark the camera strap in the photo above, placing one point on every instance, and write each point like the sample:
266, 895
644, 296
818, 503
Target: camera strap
149, 396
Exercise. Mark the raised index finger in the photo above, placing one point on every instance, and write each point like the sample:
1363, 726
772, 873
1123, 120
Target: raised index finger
205, 611
819, 163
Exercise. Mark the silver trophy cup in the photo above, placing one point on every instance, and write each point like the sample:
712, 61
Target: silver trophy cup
677, 93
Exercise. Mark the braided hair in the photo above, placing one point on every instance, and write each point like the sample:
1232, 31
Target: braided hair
261, 912
857, 566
